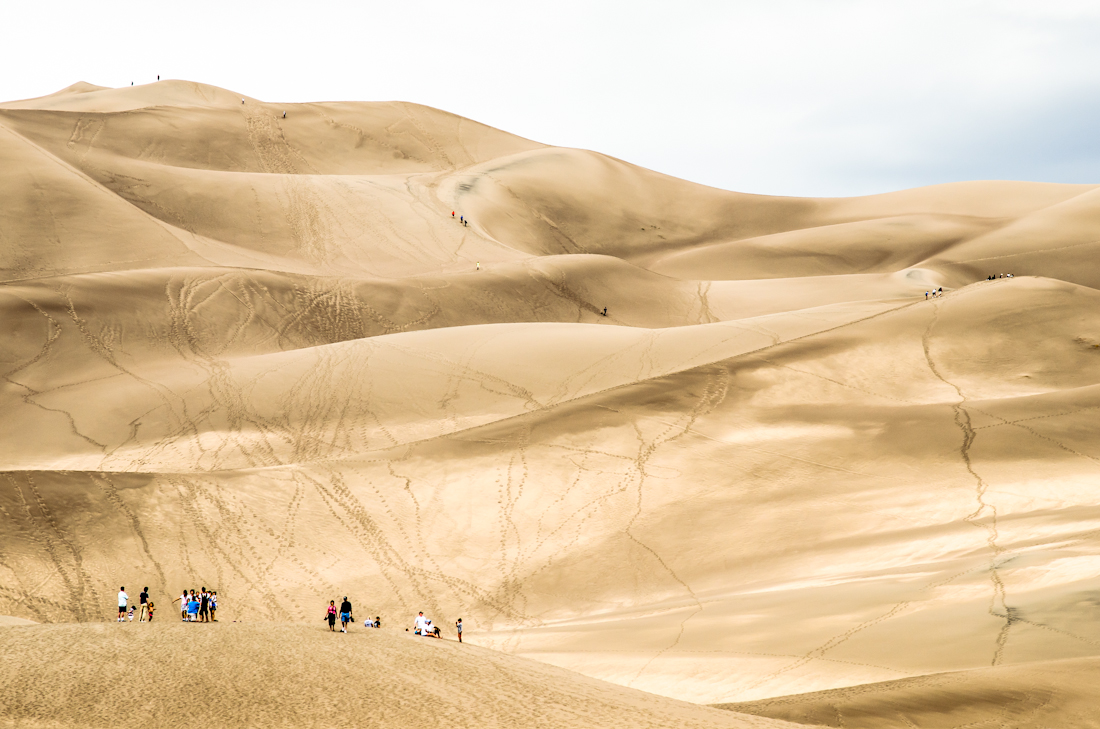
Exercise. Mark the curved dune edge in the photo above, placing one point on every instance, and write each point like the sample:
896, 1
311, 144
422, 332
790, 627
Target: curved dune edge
1029, 696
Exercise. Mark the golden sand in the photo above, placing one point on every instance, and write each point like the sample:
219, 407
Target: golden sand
258, 353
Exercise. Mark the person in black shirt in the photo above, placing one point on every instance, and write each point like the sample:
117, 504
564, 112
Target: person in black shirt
143, 598
345, 614
204, 606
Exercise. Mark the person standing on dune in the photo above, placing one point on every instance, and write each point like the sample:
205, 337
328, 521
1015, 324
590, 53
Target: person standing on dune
345, 614
143, 598
122, 600
193, 607
183, 605
458, 627
330, 615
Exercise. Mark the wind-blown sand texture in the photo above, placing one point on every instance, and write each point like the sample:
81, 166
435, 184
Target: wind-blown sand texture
258, 353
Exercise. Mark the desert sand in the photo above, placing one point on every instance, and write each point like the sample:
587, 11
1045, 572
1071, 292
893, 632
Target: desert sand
258, 353
1033, 696
233, 674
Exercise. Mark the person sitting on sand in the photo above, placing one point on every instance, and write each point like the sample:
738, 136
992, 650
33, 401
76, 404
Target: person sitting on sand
330, 615
377, 622
420, 621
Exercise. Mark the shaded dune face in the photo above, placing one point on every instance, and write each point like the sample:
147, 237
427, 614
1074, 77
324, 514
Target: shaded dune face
259, 353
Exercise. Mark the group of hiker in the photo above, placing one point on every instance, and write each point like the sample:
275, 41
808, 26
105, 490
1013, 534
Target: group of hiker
202, 606
126, 610
424, 626
198, 608
935, 293
346, 616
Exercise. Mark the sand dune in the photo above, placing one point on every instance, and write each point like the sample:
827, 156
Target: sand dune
258, 352
173, 675
1054, 693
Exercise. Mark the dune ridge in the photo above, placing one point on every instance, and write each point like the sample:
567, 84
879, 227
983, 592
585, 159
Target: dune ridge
712, 445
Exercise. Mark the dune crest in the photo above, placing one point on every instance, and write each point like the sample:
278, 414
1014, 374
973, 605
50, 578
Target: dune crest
716, 446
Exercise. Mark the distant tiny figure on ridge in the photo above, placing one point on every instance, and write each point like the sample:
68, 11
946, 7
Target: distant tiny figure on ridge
479, 265
605, 311
284, 115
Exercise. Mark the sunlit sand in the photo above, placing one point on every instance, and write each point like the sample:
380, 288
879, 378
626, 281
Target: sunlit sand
715, 446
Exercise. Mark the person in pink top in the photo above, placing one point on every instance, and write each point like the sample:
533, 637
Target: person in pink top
330, 615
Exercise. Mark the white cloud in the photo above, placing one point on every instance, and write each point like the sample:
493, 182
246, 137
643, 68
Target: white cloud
822, 98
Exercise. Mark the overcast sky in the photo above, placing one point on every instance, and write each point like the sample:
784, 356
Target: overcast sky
793, 98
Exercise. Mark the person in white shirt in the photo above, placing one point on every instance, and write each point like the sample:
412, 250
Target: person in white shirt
123, 598
183, 606
421, 624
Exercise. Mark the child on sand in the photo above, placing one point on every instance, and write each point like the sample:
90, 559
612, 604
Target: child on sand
130, 614
458, 627
182, 599
213, 606
149, 612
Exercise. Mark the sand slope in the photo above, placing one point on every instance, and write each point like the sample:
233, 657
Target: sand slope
257, 352
1053, 693
174, 675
